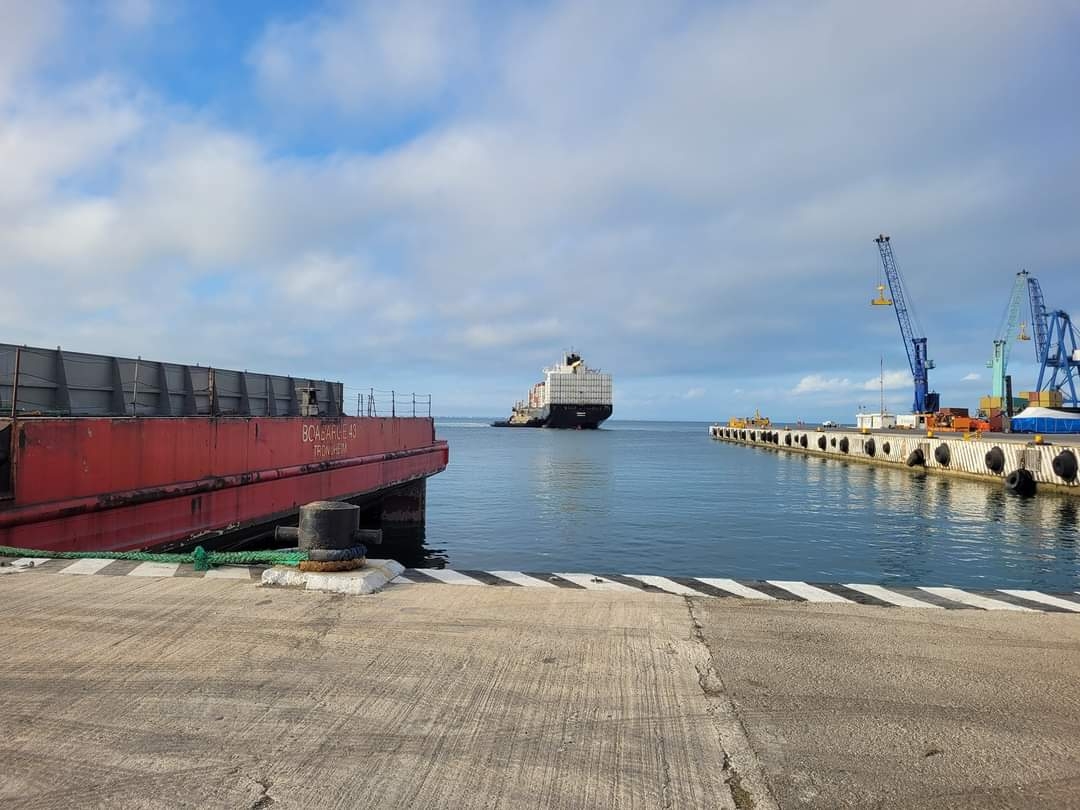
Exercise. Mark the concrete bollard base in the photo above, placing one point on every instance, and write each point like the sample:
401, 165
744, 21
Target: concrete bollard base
373, 577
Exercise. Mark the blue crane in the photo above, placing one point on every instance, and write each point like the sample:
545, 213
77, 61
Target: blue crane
1038, 317
925, 401
1004, 339
1056, 347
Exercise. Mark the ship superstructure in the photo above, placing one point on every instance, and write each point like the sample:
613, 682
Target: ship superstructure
571, 395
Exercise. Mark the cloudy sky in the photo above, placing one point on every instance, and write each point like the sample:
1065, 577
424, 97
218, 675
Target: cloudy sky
443, 197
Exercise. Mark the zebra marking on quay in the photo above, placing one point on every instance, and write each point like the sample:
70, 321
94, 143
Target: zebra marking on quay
932, 598
89, 566
937, 597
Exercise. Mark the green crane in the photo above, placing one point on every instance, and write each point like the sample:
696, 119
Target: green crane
1004, 340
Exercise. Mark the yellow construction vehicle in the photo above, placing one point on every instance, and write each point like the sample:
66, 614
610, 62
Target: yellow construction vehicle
755, 421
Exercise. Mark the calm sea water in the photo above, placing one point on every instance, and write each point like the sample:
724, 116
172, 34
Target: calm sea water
664, 498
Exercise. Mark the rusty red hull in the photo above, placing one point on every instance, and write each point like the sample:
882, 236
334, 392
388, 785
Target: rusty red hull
116, 484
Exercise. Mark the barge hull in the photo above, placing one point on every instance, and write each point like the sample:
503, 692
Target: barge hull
118, 484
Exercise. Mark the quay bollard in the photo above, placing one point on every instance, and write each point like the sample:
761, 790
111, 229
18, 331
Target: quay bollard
329, 532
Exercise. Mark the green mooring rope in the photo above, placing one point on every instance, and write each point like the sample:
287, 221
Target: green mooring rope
200, 557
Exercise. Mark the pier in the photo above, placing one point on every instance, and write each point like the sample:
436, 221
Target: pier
179, 691
1022, 463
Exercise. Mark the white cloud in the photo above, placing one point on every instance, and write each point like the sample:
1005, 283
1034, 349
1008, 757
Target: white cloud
694, 393
371, 57
817, 383
681, 189
893, 381
495, 335
132, 14
25, 30
971, 377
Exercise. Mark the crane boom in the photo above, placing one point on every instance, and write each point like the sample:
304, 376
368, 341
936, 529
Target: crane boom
1038, 318
1003, 341
925, 402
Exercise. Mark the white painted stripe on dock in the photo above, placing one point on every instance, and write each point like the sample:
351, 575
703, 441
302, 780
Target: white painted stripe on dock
525, 580
451, 577
229, 572
809, 592
733, 587
154, 569
665, 584
601, 584
85, 566
1044, 598
892, 598
973, 599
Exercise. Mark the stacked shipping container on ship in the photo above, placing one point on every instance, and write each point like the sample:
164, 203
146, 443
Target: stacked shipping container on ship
571, 395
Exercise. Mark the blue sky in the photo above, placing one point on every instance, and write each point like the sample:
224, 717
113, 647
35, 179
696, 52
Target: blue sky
444, 196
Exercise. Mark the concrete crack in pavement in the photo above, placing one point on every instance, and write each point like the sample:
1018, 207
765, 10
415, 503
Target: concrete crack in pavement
666, 787
742, 769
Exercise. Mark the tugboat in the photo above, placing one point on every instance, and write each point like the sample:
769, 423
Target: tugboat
571, 395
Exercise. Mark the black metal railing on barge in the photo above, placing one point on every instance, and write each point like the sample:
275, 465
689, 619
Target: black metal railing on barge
380, 402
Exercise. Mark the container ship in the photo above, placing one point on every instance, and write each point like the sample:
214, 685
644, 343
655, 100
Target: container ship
101, 453
571, 395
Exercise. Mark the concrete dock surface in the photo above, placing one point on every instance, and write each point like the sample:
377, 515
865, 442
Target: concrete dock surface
179, 692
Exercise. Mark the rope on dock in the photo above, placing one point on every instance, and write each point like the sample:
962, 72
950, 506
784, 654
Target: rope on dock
200, 557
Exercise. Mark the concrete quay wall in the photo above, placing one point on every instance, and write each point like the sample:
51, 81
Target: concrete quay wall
962, 457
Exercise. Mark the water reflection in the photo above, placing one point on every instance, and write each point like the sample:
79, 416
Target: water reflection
409, 547
673, 501
1067, 522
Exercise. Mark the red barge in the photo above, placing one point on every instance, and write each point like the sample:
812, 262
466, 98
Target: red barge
103, 453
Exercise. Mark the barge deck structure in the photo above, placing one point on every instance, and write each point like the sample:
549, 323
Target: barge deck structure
103, 453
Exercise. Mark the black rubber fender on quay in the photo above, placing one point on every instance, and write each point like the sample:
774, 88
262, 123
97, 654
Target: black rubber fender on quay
942, 454
870, 448
886, 448
821, 442
844, 444
995, 460
916, 458
1065, 465
1020, 482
